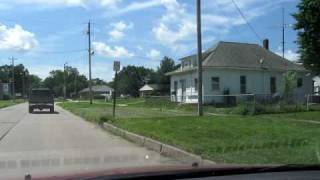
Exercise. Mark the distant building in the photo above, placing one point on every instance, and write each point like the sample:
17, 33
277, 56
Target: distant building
102, 91
5, 90
316, 85
152, 89
236, 68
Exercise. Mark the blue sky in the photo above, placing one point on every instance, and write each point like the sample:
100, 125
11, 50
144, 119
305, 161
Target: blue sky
44, 34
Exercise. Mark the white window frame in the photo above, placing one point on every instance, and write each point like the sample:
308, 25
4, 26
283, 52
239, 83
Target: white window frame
215, 85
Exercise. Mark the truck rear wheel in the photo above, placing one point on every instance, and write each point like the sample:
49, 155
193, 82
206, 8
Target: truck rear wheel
30, 109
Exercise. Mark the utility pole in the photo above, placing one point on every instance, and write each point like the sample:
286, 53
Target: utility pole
114, 94
64, 82
23, 84
89, 53
75, 84
12, 80
200, 105
283, 26
116, 68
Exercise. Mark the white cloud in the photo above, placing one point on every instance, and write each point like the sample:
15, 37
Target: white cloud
290, 55
136, 6
154, 54
41, 70
63, 3
175, 27
117, 33
16, 38
139, 47
109, 3
105, 50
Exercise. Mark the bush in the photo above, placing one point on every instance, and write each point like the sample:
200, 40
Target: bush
6, 97
104, 119
242, 110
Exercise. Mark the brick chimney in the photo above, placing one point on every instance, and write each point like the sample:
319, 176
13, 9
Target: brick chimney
266, 44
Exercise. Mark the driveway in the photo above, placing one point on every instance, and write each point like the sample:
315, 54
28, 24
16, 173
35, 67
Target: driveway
45, 144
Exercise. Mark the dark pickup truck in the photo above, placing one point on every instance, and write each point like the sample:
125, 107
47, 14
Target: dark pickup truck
41, 98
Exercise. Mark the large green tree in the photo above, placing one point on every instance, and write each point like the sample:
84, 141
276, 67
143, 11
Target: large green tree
308, 26
132, 78
98, 82
22, 79
74, 81
166, 65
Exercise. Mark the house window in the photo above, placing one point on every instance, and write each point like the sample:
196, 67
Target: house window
243, 84
196, 84
273, 86
186, 63
175, 87
299, 82
215, 83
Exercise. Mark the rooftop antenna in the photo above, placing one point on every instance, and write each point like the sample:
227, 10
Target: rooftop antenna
283, 27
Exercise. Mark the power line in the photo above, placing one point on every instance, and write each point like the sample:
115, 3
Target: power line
247, 22
226, 16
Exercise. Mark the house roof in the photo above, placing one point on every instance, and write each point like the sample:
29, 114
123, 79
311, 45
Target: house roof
242, 55
150, 87
99, 89
154, 87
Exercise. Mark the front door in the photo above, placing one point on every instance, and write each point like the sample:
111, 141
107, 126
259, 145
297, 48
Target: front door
183, 90
175, 89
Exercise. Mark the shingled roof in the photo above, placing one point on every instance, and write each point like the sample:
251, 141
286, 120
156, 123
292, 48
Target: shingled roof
242, 56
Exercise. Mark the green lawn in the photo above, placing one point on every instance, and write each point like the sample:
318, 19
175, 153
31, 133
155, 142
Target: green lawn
133, 109
6, 103
306, 116
260, 139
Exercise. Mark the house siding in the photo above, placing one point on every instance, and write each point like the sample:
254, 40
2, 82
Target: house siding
257, 82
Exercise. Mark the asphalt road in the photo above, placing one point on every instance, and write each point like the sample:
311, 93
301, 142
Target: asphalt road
45, 144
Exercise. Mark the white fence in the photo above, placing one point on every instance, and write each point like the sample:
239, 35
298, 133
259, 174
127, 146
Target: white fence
312, 100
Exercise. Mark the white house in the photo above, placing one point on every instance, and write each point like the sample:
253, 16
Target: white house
239, 68
148, 89
316, 85
153, 89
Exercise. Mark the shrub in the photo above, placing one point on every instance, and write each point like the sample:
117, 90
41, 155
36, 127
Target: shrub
242, 109
104, 119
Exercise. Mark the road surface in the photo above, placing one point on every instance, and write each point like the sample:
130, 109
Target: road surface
45, 144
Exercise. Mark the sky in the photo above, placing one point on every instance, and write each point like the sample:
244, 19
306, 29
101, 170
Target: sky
45, 34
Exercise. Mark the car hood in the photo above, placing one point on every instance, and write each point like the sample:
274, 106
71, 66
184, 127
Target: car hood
187, 171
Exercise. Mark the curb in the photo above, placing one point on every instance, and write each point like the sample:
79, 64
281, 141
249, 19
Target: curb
163, 149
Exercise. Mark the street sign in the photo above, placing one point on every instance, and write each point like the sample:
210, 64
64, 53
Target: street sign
116, 65
116, 68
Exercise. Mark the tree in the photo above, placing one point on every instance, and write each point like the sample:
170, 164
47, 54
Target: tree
132, 78
22, 79
74, 81
35, 81
166, 65
98, 82
289, 84
308, 26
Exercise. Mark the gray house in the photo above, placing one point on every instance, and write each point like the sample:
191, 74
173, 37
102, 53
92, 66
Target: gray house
236, 68
102, 91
